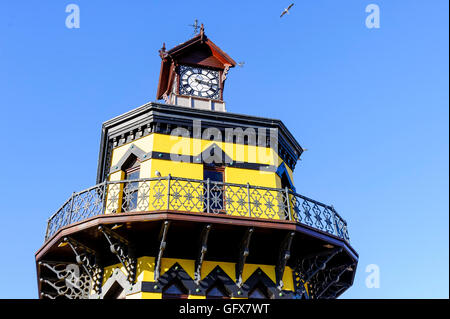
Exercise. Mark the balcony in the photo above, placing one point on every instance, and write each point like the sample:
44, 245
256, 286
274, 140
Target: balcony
173, 194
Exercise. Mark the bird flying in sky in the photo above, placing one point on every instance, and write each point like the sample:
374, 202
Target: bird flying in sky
286, 10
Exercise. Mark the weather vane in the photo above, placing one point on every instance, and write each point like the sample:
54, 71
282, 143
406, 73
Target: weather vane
286, 10
195, 26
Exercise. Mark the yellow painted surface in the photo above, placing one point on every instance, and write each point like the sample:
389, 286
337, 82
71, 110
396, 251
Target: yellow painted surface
187, 265
251, 176
145, 272
177, 169
144, 143
150, 295
228, 268
152, 195
249, 269
192, 146
264, 203
288, 279
196, 297
114, 193
269, 270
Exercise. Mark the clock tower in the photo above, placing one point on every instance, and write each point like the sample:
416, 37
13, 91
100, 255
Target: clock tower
193, 74
193, 202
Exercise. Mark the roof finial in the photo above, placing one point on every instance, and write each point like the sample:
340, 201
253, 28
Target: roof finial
202, 31
162, 52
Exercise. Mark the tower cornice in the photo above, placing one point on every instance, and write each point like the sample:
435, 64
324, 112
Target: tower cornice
139, 122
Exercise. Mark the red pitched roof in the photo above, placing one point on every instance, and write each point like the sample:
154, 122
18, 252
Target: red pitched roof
199, 50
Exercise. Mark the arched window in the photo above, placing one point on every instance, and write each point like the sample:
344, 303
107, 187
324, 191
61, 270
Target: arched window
175, 290
130, 189
217, 291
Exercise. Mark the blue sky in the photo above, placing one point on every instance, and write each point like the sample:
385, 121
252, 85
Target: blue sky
371, 106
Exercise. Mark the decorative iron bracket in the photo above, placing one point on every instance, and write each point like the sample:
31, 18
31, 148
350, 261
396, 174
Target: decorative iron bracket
321, 266
88, 259
332, 280
66, 281
316, 265
244, 252
120, 247
285, 254
162, 247
202, 252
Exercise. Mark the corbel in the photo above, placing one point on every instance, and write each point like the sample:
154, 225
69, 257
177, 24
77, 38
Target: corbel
317, 265
162, 247
201, 254
121, 247
88, 259
334, 280
244, 252
285, 254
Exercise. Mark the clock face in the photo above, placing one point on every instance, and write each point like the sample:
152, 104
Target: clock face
200, 82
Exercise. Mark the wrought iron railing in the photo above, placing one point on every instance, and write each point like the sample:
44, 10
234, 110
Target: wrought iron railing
197, 196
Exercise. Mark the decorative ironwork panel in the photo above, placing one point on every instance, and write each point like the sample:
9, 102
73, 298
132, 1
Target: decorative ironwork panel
189, 195
59, 219
236, 200
270, 205
67, 280
87, 204
186, 195
143, 196
318, 216
159, 195
216, 196
113, 198
129, 196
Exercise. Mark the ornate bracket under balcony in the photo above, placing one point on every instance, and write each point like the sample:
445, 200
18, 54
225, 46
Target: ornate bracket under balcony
120, 247
202, 253
285, 254
309, 267
244, 252
332, 278
66, 281
88, 259
162, 247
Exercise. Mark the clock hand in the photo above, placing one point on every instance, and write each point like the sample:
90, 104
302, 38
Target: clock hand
202, 82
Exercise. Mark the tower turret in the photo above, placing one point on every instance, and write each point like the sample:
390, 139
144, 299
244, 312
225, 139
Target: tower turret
193, 74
